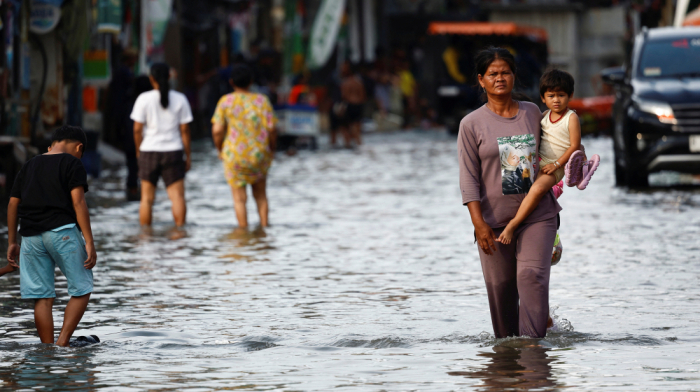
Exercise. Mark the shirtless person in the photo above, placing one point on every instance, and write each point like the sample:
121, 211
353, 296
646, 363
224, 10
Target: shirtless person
353, 94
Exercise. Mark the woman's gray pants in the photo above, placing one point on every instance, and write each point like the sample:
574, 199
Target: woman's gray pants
517, 280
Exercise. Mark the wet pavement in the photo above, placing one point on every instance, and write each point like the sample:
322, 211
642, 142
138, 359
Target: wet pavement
368, 280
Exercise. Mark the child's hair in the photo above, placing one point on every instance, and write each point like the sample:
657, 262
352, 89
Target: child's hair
69, 132
161, 73
556, 79
241, 76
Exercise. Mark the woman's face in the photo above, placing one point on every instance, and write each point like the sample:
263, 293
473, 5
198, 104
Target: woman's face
513, 159
498, 78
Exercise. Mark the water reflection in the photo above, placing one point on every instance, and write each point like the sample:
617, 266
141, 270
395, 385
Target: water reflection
245, 245
521, 368
51, 368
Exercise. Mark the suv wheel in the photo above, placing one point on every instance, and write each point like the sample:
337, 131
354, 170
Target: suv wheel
637, 177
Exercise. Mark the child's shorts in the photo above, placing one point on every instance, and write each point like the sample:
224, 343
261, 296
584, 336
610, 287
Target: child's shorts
39, 256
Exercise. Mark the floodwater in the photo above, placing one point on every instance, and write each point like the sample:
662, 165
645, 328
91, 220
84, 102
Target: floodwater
368, 280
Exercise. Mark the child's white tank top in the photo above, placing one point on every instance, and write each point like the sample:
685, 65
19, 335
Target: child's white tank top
555, 138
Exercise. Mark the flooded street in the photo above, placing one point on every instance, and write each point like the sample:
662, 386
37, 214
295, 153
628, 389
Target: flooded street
368, 279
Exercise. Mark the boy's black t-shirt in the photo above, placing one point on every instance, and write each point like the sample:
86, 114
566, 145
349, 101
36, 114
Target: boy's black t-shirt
43, 186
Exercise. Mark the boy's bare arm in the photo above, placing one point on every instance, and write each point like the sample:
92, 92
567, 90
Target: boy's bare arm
83, 217
13, 246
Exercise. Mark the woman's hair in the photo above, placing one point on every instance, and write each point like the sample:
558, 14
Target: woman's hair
483, 60
487, 56
241, 76
161, 73
555, 80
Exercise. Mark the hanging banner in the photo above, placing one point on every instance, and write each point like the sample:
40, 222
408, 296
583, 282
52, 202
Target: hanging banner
325, 32
44, 15
109, 16
157, 17
294, 41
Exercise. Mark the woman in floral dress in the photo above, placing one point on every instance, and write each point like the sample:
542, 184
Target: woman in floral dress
244, 134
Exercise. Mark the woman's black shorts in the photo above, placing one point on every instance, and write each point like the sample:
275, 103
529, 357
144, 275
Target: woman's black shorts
167, 164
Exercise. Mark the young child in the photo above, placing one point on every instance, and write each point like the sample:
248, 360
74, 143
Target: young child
48, 197
560, 148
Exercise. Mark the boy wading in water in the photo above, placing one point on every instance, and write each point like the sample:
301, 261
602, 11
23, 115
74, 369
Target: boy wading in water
560, 148
48, 197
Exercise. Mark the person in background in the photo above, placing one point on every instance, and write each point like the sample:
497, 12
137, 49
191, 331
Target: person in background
162, 136
120, 97
243, 129
353, 94
408, 91
336, 107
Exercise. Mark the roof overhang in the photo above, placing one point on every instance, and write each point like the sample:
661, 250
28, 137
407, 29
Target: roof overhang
488, 28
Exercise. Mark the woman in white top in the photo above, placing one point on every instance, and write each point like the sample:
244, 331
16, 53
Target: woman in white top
162, 135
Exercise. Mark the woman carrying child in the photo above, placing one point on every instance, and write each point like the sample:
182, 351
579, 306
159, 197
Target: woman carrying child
516, 274
244, 135
560, 149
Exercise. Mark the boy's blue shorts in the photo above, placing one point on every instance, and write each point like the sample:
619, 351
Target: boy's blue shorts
39, 256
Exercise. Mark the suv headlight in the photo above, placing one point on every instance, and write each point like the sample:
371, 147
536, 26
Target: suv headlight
661, 110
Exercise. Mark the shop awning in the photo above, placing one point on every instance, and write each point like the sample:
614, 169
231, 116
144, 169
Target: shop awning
487, 28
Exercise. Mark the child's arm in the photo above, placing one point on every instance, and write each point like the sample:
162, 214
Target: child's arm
81, 213
575, 139
12, 245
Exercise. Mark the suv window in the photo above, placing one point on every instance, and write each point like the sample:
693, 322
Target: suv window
670, 58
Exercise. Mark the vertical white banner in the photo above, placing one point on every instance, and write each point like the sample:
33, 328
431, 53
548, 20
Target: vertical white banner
324, 32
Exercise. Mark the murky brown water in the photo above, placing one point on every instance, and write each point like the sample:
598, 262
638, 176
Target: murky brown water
368, 280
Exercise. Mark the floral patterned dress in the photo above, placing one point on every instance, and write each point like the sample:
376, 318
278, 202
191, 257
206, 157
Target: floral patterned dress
249, 121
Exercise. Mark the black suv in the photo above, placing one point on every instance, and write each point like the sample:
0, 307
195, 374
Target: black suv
657, 107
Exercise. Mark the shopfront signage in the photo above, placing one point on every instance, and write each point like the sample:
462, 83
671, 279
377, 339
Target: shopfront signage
44, 15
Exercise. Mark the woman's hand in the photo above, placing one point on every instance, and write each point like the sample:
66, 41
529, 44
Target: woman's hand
483, 232
485, 237
549, 169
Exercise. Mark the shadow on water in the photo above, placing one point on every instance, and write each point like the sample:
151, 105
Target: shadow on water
52, 368
520, 368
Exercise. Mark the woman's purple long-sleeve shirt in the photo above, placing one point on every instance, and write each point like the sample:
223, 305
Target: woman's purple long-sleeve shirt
498, 162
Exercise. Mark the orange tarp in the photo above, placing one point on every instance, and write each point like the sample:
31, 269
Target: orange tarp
599, 107
693, 18
487, 28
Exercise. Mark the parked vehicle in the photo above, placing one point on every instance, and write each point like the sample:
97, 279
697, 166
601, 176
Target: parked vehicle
656, 114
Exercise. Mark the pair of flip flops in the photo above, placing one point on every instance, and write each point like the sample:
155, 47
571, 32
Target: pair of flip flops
82, 341
579, 171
